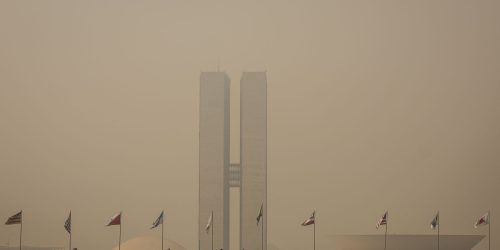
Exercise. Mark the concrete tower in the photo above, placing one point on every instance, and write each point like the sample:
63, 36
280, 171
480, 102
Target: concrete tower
253, 158
217, 176
214, 160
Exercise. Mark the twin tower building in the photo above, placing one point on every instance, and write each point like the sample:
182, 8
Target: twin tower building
217, 175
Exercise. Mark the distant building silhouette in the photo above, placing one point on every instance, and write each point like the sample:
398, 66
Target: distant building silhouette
217, 175
214, 160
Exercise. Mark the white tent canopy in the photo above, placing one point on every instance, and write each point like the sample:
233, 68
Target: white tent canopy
149, 242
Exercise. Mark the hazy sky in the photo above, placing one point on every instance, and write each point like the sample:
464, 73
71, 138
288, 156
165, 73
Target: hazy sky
372, 105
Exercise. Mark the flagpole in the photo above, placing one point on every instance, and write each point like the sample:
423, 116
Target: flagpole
262, 231
162, 226
385, 235
489, 229
212, 229
70, 231
314, 234
120, 236
70, 241
21, 232
439, 225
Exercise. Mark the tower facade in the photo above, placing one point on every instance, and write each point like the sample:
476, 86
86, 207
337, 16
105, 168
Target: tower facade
253, 160
214, 160
217, 175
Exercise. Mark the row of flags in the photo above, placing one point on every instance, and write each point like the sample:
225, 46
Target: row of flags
115, 220
260, 215
259, 218
309, 221
484, 220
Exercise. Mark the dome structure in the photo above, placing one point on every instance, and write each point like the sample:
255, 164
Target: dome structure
407, 242
149, 242
271, 246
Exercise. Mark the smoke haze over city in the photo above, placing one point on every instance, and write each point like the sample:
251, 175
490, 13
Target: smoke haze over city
371, 106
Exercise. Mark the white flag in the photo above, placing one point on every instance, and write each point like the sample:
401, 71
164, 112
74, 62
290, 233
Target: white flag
209, 224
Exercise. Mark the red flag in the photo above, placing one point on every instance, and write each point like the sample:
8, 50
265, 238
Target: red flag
484, 220
116, 219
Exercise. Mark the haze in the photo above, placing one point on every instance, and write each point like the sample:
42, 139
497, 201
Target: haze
372, 106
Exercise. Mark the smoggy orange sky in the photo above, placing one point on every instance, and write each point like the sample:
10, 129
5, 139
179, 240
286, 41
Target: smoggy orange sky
372, 106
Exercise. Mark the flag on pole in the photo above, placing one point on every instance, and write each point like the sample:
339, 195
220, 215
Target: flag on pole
158, 221
311, 220
67, 224
383, 220
209, 224
435, 221
15, 219
484, 220
116, 219
261, 213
